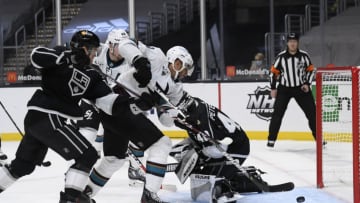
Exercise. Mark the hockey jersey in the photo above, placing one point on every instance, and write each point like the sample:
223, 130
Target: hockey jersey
123, 72
62, 85
216, 123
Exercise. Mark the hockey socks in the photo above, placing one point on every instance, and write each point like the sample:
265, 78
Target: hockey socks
102, 173
155, 173
6, 179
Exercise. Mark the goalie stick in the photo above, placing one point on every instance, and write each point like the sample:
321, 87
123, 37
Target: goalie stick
45, 163
272, 188
142, 168
263, 186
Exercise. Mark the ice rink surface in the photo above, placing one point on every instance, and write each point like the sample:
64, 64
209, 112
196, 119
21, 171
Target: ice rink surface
288, 161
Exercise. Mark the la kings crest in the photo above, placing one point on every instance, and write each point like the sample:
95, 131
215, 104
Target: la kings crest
261, 104
78, 83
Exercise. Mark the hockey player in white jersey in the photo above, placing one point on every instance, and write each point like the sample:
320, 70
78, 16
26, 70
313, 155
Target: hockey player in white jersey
131, 125
139, 130
111, 63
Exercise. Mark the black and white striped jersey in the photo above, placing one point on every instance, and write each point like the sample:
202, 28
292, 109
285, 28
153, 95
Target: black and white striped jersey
291, 70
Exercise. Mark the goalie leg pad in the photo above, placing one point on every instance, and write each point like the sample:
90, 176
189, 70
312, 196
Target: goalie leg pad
209, 188
187, 165
179, 150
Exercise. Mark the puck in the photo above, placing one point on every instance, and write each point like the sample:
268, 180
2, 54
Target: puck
300, 199
46, 163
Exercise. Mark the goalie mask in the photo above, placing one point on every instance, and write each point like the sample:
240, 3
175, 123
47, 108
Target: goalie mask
182, 54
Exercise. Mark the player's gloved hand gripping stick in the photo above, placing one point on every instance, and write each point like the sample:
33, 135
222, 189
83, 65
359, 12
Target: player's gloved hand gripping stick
133, 92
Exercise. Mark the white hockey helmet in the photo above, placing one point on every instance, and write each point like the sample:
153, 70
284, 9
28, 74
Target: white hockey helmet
115, 36
182, 54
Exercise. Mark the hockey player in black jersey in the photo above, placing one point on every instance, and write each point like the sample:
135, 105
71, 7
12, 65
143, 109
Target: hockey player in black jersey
65, 80
202, 161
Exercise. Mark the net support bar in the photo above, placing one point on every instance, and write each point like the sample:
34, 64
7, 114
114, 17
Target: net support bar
355, 114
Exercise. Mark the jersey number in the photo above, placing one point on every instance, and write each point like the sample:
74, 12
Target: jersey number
229, 124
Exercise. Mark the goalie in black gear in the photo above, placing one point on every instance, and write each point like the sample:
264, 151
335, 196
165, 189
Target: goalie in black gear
201, 160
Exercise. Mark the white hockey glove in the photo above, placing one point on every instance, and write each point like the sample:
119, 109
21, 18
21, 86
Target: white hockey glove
213, 152
168, 117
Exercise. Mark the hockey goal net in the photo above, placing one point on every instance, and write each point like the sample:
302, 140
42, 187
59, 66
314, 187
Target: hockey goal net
337, 111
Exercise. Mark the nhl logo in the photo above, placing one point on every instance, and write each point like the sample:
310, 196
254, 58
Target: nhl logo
261, 104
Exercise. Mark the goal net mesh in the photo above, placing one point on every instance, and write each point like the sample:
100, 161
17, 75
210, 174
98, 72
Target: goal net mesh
336, 122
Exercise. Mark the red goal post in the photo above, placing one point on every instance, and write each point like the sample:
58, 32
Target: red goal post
331, 86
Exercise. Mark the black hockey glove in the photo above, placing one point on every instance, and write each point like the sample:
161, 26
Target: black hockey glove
143, 71
144, 103
119, 90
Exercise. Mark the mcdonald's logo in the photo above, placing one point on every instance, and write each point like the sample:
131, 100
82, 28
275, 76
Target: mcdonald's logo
230, 71
11, 76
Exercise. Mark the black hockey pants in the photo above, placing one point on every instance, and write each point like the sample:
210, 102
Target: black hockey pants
305, 101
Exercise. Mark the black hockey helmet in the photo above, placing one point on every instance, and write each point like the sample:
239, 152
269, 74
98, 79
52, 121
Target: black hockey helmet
84, 38
293, 36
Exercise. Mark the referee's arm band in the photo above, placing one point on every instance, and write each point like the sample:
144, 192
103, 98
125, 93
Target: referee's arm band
275, 71
310, 68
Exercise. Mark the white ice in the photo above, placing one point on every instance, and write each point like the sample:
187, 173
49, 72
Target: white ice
288, 161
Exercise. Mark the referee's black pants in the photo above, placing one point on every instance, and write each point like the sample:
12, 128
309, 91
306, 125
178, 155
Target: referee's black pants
305, 101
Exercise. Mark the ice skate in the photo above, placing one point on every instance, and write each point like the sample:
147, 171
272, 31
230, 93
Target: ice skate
150, 197
136, 178
83, 198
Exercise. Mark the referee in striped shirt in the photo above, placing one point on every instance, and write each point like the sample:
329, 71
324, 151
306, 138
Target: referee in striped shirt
294, 71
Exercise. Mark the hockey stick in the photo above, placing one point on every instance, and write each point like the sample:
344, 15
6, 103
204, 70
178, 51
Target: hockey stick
142, 168
155, 89
46, 163
217, 144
